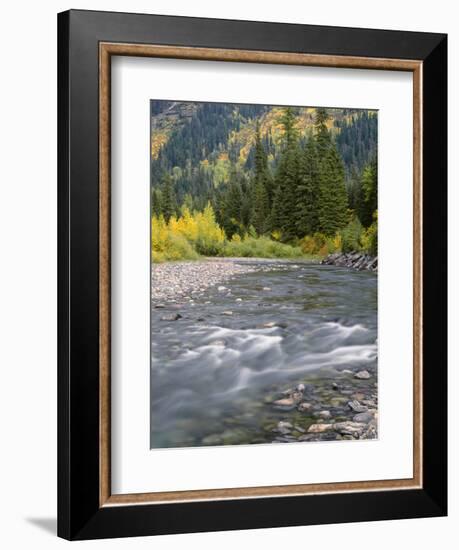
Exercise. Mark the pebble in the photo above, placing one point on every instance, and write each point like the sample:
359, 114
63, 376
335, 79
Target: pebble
362, 375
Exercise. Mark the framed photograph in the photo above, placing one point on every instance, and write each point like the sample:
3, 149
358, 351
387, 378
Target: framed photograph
252, 274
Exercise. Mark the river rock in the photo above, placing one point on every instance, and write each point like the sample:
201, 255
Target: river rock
172, 317
283, 427
304, 407
356, 406
319, 428
350, 428
362, 375
227, 313
286, 404
363, 417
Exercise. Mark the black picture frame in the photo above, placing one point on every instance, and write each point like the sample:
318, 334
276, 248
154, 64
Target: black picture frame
80, 515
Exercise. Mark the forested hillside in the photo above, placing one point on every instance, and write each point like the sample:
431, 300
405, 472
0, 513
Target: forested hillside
298, 176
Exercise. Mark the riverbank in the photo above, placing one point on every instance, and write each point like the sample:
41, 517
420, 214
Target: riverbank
352, 260
173, 282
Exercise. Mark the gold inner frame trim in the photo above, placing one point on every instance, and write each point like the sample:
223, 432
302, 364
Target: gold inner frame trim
106, 51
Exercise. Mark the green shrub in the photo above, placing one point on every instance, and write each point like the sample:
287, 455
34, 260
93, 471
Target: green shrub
351, 236
261, 247
370, 237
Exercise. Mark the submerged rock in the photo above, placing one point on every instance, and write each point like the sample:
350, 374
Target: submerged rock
172, 317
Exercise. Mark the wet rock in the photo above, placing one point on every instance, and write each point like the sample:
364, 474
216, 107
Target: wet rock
267, 288
304, 407
335, 386
362, 375
355, 260
221, 288
160, 306
355, 429
218, 343
371, 432
319, 428
270, 324
227, 313
283, 427
363, 417
301, 388
357, 407
286, 404
172, 317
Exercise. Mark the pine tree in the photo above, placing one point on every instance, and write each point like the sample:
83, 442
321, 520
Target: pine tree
230, 207
261, 188
332, 195
156, 202
287, 180
261, 210
332, 203
169, 205
307, 216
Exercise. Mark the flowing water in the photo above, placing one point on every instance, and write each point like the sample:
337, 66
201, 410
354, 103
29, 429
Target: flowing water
214, 370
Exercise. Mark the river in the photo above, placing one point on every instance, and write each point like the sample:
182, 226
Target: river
217, 370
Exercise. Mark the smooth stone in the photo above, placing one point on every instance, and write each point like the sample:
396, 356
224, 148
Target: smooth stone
221, 288
266, 288
285, 404
227, 313
363, 417
173, 317
350, 428
324, 414
284, 427
357, 407
362, 375
319, 428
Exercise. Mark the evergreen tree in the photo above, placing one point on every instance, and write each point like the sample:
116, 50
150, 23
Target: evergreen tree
261, 188
332, 195
169, 205
261, 209
307, 216
156, 202
230, 207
